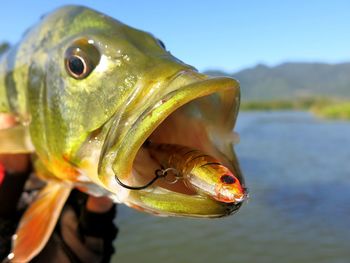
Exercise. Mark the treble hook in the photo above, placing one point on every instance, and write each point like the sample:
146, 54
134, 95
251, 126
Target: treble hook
159, 173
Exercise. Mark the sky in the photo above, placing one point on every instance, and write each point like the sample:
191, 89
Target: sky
221, 34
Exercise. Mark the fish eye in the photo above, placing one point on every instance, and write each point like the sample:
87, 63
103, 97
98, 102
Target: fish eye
81, 58
77, 66
227, 179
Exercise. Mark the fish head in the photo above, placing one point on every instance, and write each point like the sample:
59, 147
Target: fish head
98, 89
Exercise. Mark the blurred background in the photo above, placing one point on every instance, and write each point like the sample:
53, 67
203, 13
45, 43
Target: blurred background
292, 59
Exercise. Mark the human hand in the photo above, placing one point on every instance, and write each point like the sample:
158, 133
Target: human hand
99, 204
15, 163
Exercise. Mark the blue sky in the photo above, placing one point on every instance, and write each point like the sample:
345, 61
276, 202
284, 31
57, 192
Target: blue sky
221, 34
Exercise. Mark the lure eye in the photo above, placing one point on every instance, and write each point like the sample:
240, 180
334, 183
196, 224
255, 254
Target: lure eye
81, 59
227, 179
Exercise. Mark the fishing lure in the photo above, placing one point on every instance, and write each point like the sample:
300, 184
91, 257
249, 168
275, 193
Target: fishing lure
198, 170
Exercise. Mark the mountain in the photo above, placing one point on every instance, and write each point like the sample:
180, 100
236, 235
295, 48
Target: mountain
292, 80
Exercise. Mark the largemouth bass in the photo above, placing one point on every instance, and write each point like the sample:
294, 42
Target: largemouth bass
87, 92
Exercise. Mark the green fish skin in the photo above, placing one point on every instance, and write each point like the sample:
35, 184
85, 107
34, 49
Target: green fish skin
87, 91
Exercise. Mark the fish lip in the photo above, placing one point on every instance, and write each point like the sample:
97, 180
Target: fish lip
162, 109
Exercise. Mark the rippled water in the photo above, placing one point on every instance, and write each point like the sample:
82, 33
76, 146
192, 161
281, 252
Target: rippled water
297, 169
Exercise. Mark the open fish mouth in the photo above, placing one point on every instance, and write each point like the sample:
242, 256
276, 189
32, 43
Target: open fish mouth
199, 115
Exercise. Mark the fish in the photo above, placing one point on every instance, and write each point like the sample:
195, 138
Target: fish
86, 92
198, 170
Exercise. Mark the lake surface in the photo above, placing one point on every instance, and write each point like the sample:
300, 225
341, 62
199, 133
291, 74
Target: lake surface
297, 169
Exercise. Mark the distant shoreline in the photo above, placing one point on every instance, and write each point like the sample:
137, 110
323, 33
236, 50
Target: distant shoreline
328, 108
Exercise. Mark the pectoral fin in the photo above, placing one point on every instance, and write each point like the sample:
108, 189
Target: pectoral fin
38, 221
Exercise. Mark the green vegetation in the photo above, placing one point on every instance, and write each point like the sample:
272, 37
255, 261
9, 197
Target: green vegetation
321, 107
334, 111
297, 104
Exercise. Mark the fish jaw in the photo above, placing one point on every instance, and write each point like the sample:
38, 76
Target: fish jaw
161, 202
120, 158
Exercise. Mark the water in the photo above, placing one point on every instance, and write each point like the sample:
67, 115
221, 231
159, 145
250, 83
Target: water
298, 172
